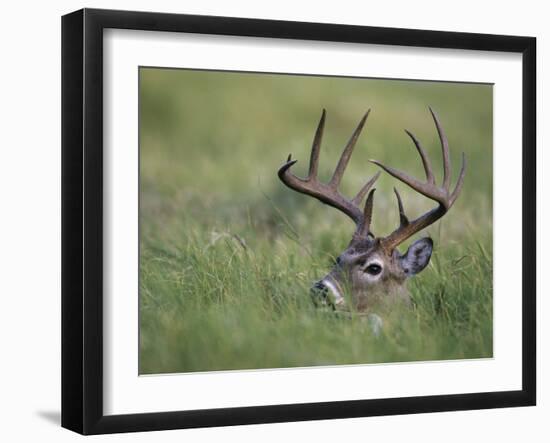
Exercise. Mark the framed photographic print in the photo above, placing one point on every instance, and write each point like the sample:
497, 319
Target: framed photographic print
270, 221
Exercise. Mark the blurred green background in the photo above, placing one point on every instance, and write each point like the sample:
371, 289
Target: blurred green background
228, 252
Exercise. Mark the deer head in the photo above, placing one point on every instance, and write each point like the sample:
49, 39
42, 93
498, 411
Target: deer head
371, 270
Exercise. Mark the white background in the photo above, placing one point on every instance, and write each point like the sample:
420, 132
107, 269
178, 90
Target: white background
30, 219
124, 51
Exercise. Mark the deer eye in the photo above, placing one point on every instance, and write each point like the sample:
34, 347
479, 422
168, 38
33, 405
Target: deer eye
373, 269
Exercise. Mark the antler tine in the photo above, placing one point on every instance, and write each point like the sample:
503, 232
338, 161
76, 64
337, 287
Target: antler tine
328, 193
403, 220
444, 149
364, 228
425, 160
346, 154
429, 189
460, 180
366, 188
316, 147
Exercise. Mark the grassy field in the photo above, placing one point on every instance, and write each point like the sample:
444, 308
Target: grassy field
228, 253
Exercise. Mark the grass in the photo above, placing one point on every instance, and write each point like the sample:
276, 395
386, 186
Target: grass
228, 253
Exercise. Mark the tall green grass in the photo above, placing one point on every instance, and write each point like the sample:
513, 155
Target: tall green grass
228, 253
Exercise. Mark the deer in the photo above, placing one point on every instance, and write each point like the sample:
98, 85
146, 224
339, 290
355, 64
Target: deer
371, 271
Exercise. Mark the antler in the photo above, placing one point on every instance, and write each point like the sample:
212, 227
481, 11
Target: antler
442, 194
328, 193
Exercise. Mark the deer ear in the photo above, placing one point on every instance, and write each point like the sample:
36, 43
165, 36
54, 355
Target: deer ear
417, 257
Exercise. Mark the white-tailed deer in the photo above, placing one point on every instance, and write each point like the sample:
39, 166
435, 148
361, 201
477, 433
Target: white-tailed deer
371, 269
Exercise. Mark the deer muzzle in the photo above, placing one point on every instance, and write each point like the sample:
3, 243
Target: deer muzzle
327, 292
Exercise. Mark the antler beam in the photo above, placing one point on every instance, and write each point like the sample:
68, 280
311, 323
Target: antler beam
442, 194
328, 193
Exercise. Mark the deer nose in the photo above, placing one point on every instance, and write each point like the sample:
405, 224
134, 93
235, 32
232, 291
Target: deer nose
325, 292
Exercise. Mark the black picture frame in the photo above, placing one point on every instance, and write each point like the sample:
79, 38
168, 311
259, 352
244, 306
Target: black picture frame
82, 220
